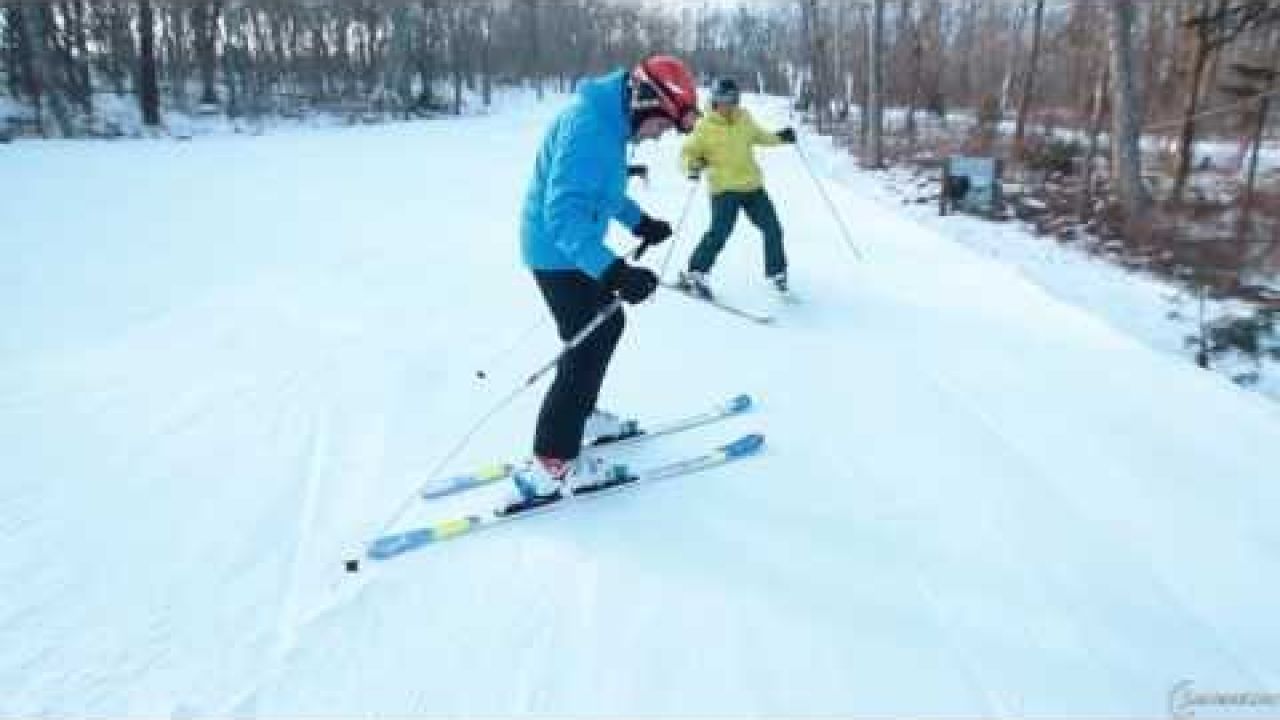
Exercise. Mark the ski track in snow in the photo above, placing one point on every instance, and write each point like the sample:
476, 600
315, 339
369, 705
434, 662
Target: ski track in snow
973, 499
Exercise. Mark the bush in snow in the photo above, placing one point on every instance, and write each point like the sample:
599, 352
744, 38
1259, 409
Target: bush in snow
1053, 155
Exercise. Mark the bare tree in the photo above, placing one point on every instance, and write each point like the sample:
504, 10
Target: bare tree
177, 65
1254, 86
820, 91
25, 81
149, 89
534, 66
912, 58
1126, 112
875, 87
204, 23
486, 14
823, 74
1085, 207
1215, 24
71, 44
39, 25
1029, 79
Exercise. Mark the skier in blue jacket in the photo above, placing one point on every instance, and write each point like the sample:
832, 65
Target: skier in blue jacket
578, 186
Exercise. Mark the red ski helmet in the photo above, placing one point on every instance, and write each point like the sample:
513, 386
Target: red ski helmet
662, 84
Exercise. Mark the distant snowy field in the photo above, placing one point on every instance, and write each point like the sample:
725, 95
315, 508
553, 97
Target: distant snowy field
226, 362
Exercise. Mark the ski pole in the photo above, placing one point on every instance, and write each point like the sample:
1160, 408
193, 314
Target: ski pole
684, 214
645, 245
848, 239
574, 341
353, 564
482, 372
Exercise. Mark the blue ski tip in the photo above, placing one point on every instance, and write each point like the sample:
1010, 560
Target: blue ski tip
392, 545
740, 403
744, 445
446, 487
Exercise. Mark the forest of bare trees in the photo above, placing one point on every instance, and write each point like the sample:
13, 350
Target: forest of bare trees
413, 56
1095, 109
1030, 58
1110, 94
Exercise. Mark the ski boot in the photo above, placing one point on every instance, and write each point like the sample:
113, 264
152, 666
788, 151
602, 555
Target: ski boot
604, 427
541, 481
694, 282
779, 281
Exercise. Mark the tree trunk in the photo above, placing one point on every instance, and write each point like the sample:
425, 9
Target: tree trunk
1028, 81
1085, 207
318, 72
77, 53
1126, 112
40, 25
177, 66
148, 87
862, 30
535, 48
204, 22
116, 65
817, 65
455, 55
486, 52
28, 79
233, 62
1258, 131
1011, 64
1187, 135
875, 88
9, 42
915, 48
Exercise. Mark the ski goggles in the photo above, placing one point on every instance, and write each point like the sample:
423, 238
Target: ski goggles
650, 95
682, 118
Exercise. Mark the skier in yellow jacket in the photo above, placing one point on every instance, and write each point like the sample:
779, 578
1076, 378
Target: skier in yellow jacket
722, 143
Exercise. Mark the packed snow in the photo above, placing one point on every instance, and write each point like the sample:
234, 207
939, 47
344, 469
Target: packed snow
227, 363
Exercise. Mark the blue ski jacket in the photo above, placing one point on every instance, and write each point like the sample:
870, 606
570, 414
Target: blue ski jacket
579, 182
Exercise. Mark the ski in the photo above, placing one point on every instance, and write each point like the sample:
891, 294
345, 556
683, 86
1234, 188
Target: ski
755, 317
496, 472
395, 544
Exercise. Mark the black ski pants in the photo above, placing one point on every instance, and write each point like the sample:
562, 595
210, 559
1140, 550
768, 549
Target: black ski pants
574, 298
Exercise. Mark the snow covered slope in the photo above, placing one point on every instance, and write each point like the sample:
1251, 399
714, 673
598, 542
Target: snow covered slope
225, 363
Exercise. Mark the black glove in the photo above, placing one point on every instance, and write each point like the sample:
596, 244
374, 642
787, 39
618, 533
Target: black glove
640, 171
787, 135
631, 282
651, 231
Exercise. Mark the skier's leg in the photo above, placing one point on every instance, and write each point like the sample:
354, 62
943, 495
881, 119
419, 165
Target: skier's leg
724, 213
574, 299
760, 211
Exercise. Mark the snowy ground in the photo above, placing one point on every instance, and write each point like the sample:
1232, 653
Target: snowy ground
1147, 308
226, 362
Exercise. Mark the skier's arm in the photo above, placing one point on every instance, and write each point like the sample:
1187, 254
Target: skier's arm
760, 136
577, 211
628, 212
692, 156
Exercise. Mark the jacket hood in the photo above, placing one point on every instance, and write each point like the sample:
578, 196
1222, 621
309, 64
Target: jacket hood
605, 96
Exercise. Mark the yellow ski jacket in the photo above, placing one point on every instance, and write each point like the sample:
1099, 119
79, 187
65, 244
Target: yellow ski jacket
722, 142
